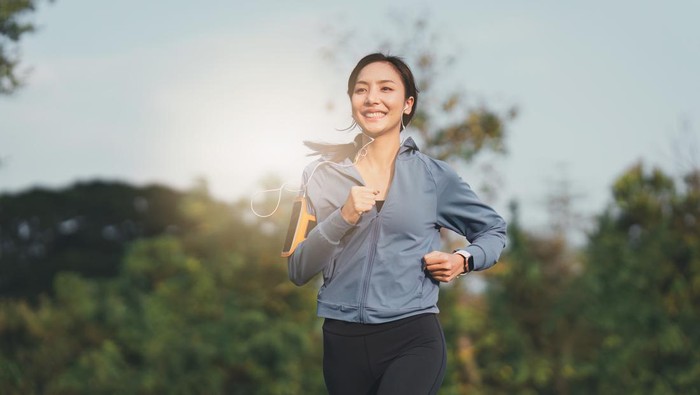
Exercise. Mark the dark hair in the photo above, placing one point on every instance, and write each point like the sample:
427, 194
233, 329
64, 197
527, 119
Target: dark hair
338, 152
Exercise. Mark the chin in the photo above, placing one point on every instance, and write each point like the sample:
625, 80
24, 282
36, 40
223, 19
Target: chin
376, 130
371, 131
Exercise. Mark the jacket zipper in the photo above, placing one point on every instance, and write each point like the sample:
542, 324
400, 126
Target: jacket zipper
374, 237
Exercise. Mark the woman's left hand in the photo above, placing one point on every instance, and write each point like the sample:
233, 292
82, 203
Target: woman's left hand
443, 266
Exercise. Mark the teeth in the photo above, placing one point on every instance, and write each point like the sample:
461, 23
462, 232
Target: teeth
374, 114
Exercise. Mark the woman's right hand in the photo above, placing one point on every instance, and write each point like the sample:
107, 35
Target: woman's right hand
359, 201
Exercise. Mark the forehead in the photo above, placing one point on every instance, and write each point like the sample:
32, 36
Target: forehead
379, 71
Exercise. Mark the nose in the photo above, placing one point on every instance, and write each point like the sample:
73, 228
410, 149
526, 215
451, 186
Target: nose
371, 97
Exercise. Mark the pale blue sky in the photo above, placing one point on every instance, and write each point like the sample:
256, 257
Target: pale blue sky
169, 91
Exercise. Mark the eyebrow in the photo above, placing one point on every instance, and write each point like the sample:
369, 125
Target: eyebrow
381, 82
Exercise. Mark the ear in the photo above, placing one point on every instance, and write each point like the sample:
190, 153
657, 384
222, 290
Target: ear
408, 106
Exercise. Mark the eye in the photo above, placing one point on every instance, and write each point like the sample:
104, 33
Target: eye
360, 90
387, 89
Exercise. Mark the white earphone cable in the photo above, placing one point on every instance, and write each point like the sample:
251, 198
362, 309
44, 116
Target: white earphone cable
360, 154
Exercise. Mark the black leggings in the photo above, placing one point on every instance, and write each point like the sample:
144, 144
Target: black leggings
401, 357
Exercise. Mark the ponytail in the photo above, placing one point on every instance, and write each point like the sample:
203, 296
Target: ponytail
335, 152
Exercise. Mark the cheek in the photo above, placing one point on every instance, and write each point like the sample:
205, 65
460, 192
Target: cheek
399, 100
396, 100
355, 104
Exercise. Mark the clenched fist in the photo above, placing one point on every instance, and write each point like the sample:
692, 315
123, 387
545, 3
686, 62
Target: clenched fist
359, 201
444, 266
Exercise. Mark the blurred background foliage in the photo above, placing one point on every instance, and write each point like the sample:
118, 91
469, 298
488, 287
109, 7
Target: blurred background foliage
107, 287
194, 297
154, 291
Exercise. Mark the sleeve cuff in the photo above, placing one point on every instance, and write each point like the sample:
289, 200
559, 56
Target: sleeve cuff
335, 227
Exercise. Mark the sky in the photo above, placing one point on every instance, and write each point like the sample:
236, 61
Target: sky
172, 92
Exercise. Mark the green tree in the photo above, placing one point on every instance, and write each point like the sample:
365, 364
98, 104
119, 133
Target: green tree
14, 24
83, 228
208, 310
643, 287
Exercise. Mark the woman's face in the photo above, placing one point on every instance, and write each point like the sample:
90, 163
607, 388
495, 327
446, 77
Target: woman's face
378, 99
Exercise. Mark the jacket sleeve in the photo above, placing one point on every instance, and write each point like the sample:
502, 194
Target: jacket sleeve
460, 210
315, 253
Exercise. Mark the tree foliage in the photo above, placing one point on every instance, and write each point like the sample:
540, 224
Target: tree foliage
209, 310
14, 24
619, 316
84, 228
643, 281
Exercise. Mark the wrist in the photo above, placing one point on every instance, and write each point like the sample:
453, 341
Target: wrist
350, 217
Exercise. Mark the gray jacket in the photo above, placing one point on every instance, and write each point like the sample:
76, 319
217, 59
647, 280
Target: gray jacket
373, 270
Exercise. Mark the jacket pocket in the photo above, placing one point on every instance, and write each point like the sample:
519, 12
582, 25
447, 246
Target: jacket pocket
328, 272
397, 287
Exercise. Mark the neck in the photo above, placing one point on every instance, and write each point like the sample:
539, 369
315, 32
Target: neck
382, 151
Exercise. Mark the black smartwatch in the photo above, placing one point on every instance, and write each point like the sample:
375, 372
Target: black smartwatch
468, 262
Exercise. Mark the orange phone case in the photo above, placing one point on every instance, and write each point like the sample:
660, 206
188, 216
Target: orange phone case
300, 224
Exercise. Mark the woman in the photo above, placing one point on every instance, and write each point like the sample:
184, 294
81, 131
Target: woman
379, 206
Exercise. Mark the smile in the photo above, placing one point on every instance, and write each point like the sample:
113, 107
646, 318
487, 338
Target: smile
374, 114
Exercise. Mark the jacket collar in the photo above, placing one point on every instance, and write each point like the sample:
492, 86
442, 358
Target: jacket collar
346, 166
407, 145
